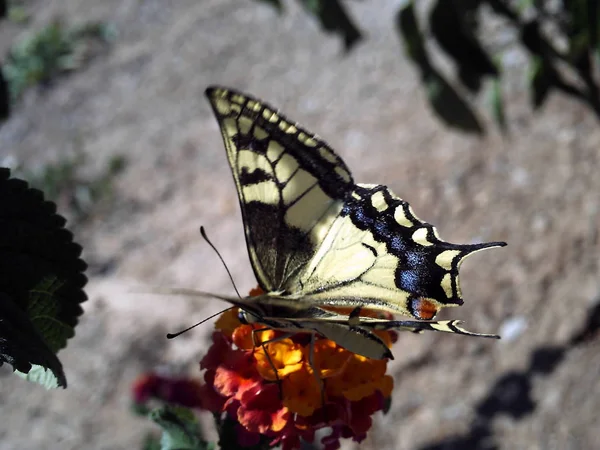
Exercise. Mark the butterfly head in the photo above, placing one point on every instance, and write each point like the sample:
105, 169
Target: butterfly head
247, 318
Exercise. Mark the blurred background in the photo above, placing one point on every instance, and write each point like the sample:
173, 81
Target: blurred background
491, 133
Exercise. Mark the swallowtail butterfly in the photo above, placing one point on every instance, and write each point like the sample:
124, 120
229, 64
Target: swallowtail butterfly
319, 242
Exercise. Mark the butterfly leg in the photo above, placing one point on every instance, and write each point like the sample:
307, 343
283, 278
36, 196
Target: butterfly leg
320, 381
263, 345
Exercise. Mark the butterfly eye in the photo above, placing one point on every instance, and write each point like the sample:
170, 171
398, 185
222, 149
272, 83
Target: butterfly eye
242, 317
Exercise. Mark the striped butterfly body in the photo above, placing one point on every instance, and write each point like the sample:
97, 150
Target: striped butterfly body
319, 242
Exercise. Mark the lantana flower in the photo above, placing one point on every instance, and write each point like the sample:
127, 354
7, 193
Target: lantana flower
273, 390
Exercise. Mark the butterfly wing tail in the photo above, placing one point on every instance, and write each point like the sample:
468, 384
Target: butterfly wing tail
445, 326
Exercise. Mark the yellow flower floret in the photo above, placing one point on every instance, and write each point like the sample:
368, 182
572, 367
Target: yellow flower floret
302, 392
284, 356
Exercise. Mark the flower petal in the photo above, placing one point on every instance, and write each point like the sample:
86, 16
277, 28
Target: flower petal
302, 393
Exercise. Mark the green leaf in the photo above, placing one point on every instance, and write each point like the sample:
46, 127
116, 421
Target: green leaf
23, 347
540, 80
151, 443
4, 97
497, 105
41, 375
414, 45
44, 305
453, 29
42, 56
532, 39
227, 429
181, 429
449, 106
18, 14
446, 102
334, 19
42, 280
582, 31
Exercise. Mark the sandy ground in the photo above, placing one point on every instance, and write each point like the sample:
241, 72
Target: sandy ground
537, 189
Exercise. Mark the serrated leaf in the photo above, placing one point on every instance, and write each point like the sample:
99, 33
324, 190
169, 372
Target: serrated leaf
41, 375
449, 106
334, 19
41, 279
22, 346
181, 429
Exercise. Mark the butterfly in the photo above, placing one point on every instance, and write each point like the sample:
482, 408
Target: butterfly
319, 243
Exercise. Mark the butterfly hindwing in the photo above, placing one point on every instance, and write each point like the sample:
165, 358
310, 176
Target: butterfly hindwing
393, 261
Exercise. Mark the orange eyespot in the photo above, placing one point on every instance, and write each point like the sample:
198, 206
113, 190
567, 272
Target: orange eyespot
423, 308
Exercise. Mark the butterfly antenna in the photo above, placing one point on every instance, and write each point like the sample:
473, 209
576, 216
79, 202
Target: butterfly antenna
203, 233
179, 333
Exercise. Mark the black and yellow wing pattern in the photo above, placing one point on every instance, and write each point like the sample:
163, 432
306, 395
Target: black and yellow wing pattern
317, 239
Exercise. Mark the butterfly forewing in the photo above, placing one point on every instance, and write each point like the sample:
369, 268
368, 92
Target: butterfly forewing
291, 184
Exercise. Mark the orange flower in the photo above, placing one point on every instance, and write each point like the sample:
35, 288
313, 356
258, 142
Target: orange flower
302, 392
283, 356
228, 321
330, 358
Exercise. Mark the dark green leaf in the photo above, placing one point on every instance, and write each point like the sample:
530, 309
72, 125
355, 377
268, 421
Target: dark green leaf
449, 106
532, 39
582, 32
454, 33
540, 81
4, 97
414, 45
594, 24
228, 436
501, 8
41, 279
151, 443
334, 19
181, 429
497, 105
387, 405
24, 348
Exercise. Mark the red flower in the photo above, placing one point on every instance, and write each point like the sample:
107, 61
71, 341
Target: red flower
179, 391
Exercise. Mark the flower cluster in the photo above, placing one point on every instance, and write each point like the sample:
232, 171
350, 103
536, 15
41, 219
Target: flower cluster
265, 382
273, 390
